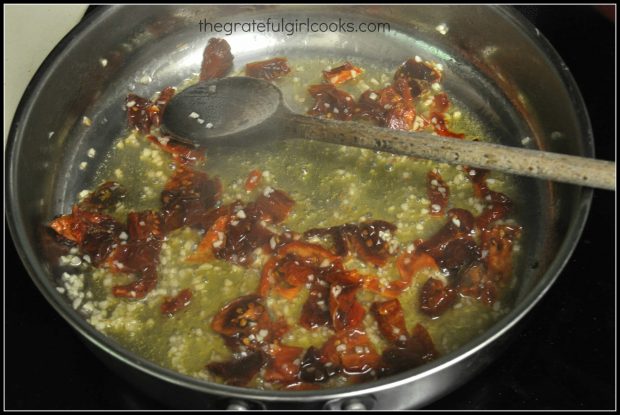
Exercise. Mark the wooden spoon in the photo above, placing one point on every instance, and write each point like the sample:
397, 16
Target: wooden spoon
243, 111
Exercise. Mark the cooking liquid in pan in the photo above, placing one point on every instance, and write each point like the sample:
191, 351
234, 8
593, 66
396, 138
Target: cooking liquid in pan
331, 185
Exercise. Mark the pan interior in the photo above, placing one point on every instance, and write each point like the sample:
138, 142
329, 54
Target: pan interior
153, 57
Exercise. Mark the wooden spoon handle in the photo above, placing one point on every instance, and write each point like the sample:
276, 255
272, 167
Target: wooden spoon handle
540, 164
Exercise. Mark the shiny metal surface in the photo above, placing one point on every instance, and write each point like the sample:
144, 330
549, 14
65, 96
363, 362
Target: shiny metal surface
495, 63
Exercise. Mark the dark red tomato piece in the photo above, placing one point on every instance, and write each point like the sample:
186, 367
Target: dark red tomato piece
345, 311
438, 193
144, 226
270, 69
499, 242
400, 117
105, 196
274, 205
460, 224
241, 369
239, 322
367, 240
294, 272
284, 364
156, 111
391, 319
386, 107
342, 73
253, 180
415, 351
309, 253
436, 298
182, 153
478, 178
409, 264
419, 76
188, 197
315, 311
173, 305
242, 238
315, 368
331, 102
75, 226
139, 113
476, 282
204, 251
95, 233
456, 254
500, 206
216, 60
139, 288
352, 351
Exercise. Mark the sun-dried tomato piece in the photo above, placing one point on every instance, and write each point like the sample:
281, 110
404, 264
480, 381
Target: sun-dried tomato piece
173, 305
242, 238
409, 264
436, 297
475, 281
181, 152
270, 69
353, 351
139, 255
188, 197
345, 311
274, 205
315, 311
460, 224
253, 180
216, 60
419, 76
138, 289
240, 369
456, 254
310, 253
331, 102
138, 113
498, 242
391, 319
416, 350
204, 251
369, 240
438, 193
387, 108
105, 196
76, 225
241, 321
144, 226
315, 368
478, 179
95, 233
500, 206
400, 117
284, 364
342, 73
142, 114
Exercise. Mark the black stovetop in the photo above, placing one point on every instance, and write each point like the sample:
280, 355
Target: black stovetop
563, 358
